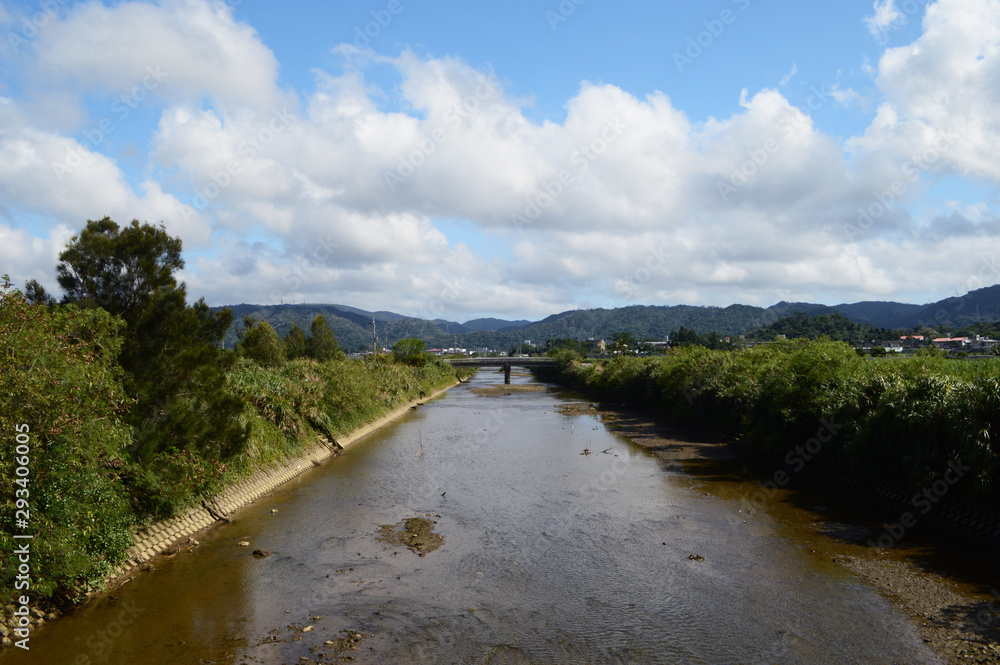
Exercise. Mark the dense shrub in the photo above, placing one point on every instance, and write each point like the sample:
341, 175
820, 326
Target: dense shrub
58, 378
291, 405
904, 419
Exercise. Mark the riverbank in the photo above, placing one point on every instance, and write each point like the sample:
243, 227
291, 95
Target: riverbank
548, 556
167, 538
903, 425
956, 612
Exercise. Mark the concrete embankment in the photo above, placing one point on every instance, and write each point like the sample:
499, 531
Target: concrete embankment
164, 537
170, 536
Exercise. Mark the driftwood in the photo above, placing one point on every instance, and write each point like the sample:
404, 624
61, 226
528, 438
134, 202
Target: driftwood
214, 510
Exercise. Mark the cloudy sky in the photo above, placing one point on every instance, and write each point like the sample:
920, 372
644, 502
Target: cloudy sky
517, 158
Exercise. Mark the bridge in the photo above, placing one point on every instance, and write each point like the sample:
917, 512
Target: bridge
506, 363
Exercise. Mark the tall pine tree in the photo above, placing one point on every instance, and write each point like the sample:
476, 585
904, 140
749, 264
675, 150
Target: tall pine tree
173, 368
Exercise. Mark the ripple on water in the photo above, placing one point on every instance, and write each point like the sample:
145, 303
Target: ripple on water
548, 556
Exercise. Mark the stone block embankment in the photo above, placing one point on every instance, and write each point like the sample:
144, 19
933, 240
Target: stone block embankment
164, 537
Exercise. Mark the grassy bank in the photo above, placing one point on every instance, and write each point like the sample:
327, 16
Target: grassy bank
292, 405
903, 420
70, 459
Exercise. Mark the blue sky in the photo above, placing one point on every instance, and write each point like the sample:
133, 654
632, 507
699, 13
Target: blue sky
512, 159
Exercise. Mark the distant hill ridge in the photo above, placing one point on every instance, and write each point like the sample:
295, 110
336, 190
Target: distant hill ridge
353, 326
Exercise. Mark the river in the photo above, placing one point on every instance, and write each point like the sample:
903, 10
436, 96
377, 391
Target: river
549, 556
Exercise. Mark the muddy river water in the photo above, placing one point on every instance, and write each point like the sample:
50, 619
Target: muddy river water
549, 555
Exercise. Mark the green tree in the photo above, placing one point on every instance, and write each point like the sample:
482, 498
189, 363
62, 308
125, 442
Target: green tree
295, 343
579, 347
259, 342
36, 294
173, 370
322, 344
410, 351
931, 350
117, 269
624, 343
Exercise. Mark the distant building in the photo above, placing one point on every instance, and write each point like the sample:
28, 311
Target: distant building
984, 343
951, 343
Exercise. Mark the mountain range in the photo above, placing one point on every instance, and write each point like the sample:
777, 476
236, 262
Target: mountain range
353, 326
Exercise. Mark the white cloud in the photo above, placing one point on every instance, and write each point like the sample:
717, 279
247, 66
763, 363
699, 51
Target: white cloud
789, 76
626, 200
24, 255
941, 95
846, 97
886, 18
65, 179
184, 50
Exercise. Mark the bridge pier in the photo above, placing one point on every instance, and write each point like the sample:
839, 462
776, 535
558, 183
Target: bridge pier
506, 374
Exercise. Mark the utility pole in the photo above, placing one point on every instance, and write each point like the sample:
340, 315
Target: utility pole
374, 339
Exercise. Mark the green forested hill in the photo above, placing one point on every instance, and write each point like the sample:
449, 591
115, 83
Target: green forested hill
644, 322
975, 306
354, 331
353, 327
835, 326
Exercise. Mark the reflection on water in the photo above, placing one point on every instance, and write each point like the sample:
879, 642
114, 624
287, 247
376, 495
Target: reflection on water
549, 556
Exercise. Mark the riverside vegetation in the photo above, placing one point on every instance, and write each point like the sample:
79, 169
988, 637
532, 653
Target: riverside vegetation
135, 413
903, 420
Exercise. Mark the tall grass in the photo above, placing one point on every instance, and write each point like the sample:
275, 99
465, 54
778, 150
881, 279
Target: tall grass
292, 405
